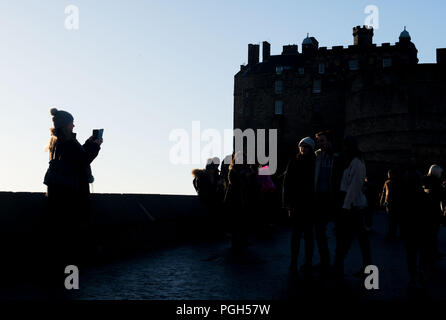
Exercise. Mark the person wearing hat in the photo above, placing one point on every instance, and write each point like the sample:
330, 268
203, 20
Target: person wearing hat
298, 196
64, 146
68, 192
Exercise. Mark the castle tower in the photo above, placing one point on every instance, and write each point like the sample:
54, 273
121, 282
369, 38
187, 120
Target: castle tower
362, 36
309, 45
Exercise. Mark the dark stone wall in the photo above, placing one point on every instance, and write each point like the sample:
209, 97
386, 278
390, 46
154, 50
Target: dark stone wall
120, 222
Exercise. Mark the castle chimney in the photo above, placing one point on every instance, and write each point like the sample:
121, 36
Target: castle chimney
362, 36
253, 53
441, 56
266, 51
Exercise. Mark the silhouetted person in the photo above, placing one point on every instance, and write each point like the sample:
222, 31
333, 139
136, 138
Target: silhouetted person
415, 226
217, 180
327, 179
210, 189
351, 220
68, 192
239, 200
392, 199
203, 186
435, 194
298, 198
224, 171
267, 190
372, 195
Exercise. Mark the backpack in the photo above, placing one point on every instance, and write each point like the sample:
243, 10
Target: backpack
61, 174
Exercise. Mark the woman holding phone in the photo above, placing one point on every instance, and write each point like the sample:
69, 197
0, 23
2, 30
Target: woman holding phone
68, 192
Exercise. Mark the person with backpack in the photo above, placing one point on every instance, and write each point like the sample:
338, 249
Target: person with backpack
68, 192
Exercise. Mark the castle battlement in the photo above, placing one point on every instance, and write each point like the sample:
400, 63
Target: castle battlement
376, 92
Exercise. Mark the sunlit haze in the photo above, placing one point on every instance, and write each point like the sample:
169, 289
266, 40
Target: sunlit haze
140, 69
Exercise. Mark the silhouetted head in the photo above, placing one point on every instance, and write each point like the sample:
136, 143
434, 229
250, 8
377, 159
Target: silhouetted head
212, 164
435, 171
227, 160
306, 146
62, 127
324, 140
62, 119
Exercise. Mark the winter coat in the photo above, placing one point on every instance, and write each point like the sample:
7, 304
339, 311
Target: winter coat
242, 187
335, 172
206, 190
78, 157
352, 182
298, 183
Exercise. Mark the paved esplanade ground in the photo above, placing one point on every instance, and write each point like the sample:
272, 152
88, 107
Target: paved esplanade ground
209, 271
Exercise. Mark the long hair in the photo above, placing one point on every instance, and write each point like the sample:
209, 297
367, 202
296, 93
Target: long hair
58, 135
235, 159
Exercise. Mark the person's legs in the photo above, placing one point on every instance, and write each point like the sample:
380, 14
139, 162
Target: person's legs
410, 244
309, 246
295, 244
369, 218
436, 251
344, 237
392, 223
363, 239
322, 208
322, 243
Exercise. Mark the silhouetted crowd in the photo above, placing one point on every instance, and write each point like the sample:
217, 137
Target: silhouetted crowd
320, 186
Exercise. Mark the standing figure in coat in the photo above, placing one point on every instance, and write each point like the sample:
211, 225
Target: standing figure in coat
239, 200
414, 225
435, 195
326, 181
351, 218
298, 199
68, 192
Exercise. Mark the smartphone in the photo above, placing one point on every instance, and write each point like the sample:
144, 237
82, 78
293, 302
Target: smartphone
98, 133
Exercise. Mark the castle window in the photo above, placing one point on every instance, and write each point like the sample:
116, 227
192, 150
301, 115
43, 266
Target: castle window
301, 70
278, 87
279, 69
317, 86
353, 65
278, 107
387, 62
321, 68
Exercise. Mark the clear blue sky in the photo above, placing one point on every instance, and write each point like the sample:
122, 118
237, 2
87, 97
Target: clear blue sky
140, 69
